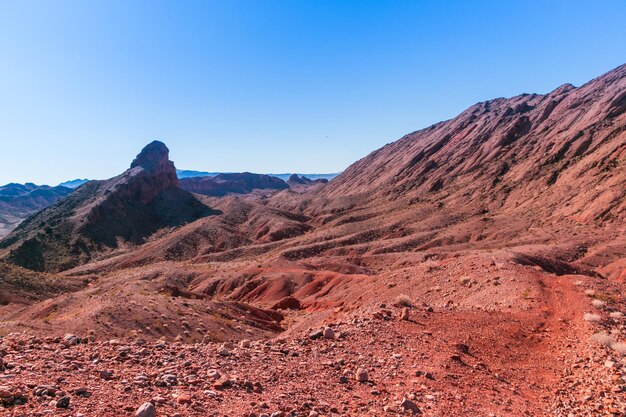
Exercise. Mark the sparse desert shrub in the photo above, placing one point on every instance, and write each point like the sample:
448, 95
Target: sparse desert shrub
602, 338
598, 303
616, 314
592, 317
590, 293
619, 347
431, 265
607, 298
403, 300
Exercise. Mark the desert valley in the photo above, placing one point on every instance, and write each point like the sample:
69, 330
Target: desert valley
475, 267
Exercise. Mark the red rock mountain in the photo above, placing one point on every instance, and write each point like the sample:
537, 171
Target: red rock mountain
101, 215
564, 148
475, 267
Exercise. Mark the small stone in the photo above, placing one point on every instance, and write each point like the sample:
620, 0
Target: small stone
64, 402
362, 375
183, 399
223, 383
222, 351
456, 358
5, 392
316, 334
106, 375
146, 410
329, 333
410, 406
463, 348
82, 392
169, 379
404, 315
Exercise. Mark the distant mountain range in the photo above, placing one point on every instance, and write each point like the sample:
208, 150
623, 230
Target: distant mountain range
192, 174
236, 183
73, 183
184, 173
19, 201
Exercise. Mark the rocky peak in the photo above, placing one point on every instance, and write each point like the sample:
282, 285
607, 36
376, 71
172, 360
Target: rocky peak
154, 159
296, 179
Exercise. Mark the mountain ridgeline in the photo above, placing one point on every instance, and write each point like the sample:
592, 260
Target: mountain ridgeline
100, 215
18, 201
487, 178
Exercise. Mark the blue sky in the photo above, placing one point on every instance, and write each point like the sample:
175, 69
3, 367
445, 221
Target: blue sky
270, 86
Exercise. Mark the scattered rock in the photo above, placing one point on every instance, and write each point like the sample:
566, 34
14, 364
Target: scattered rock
63, 402
183, 399
329, 333
223, 383
410, 406
146, 410
316, 334
362, 375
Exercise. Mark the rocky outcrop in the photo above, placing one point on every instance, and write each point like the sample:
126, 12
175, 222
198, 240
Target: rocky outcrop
154, 160
100, 215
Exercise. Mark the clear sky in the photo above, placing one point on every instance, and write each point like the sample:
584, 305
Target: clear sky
270, 86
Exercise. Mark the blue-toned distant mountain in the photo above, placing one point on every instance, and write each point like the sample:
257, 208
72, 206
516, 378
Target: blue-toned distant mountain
185, 173
74, 183
233, 183
285, 177
18, 201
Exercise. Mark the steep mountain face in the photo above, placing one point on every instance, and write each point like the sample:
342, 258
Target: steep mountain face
560, 154
101, 215
18, 201
235, 183
541, 177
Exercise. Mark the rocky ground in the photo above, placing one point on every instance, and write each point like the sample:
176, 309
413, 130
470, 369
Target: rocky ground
561, 357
